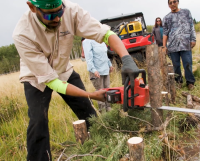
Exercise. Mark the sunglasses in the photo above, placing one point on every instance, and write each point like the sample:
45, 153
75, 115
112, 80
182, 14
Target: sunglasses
158, 20
172, 2
52, 16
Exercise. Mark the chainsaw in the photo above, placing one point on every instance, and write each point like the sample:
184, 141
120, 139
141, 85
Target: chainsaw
137, 96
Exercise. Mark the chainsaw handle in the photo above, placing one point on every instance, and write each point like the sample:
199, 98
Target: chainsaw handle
143, 75
127, 87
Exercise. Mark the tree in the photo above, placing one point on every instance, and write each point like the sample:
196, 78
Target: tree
149, 28
195, 22
9, 59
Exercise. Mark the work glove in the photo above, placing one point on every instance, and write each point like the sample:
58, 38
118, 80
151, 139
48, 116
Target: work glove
129, 69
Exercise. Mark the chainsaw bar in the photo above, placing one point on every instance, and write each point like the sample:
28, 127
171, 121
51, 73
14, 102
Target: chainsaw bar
186, 110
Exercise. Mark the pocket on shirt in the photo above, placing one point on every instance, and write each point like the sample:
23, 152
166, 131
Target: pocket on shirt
65, 45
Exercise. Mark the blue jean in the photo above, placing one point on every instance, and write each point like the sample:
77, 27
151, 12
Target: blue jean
186, 57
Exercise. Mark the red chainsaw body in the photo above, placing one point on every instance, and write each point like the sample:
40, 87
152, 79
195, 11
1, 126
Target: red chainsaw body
143, 93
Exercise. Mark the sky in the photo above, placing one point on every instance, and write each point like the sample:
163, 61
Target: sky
12, 10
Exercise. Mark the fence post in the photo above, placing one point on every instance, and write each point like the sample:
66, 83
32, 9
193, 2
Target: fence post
155, 84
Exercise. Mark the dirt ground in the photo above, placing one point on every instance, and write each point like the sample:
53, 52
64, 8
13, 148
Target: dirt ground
190, 145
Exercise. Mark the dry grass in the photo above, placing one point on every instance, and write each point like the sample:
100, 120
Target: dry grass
14, 118
9, 84
13, 124
196, 50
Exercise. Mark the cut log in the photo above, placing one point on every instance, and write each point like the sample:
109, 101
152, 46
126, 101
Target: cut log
194, 98
172, 87
80, 130
189, 101
136, 149
155, 84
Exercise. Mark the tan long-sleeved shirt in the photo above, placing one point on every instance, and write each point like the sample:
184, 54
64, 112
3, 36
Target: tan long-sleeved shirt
44, 54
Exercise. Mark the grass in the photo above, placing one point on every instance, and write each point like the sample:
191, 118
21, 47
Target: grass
14, 121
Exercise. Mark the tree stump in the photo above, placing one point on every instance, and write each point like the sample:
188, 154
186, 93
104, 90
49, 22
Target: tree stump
172, 87
136, 149
80, 130
155, 84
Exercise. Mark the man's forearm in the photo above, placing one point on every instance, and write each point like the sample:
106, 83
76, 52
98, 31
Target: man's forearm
77, 92
165, 40
117, 45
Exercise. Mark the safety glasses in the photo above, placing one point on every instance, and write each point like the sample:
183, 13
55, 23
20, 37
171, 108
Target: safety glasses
172, 2
52, 16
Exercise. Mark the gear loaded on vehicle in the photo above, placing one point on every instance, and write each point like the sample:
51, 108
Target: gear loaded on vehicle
131, 29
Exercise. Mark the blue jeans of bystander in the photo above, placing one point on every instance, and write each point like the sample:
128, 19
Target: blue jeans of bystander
186, 57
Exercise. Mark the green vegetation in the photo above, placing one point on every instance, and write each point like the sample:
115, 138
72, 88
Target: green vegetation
197, 27
76, 50
149, 28
107, 136
9, 59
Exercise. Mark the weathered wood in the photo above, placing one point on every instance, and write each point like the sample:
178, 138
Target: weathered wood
164, 68
194, 98
80, 130
172, 87
154, 83
124, 159
189, 101
197, 107
164, 72
165, 98
161, 63
136, 149
170, 68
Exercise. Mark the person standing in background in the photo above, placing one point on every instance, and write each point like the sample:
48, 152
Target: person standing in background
158, 31
99, 67
179, 38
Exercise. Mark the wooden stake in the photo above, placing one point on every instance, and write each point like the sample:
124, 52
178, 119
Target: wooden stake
155, 84
165, 98
172, 87
136, 149
163, 68
170, 69
80, 130
189, 101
